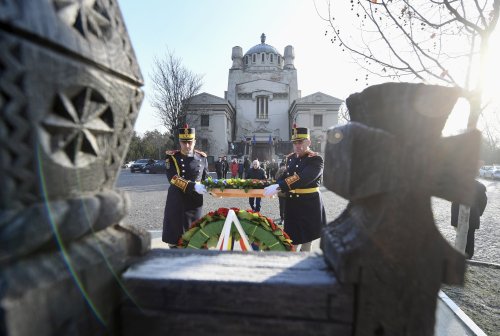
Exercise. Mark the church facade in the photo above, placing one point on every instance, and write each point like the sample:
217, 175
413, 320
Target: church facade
259, 108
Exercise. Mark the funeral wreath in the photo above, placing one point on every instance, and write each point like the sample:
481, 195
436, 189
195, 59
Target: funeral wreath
261, 231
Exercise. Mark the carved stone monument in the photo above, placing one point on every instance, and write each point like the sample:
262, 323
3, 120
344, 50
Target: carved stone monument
69, 96
388, 161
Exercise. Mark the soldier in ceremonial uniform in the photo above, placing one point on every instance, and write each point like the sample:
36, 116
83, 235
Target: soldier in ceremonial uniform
304, 212
186, 168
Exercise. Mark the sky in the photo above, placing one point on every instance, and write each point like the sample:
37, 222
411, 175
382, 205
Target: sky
203, 32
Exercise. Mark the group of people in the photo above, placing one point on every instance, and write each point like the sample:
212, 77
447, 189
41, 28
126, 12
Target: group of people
240, 167
222, 167
297, 184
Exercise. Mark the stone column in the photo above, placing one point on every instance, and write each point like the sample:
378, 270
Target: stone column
237, 58
69, 96
289, 57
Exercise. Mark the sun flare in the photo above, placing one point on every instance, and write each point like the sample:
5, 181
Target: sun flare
457, 121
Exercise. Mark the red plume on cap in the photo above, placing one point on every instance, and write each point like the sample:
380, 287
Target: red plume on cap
186, 126
294, 125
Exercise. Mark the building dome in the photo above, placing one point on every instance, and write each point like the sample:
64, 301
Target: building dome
262, 48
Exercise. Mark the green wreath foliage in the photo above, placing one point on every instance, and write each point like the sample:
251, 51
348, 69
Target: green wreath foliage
235, 183
261, 231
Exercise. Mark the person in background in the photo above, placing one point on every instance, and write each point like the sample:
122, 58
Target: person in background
218, 168
281, 195
305, 214
246, 166
240, 168
186, 168
273, 168
225, 167
234, 168
263, 165
476, 211
267, 168
256, 173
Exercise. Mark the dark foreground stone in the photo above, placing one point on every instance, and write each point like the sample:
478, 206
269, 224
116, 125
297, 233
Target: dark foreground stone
187, 292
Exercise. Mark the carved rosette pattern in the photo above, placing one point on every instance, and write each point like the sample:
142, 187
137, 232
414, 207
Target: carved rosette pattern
122, 135
68, 103
16, 165
96, 19
69, 96
87, 17
78, 130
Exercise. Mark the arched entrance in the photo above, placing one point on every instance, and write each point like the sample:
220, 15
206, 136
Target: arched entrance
261, 151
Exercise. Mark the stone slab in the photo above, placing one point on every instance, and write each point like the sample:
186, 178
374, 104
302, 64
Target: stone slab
290, 291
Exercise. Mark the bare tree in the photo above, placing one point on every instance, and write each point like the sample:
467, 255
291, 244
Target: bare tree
173, 87
343, 114
436, 41
151, 145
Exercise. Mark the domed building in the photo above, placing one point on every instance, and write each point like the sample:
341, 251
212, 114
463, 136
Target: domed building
261, 104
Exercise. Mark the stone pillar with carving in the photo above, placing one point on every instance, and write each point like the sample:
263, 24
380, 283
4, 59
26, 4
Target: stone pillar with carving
388, 162
69, 96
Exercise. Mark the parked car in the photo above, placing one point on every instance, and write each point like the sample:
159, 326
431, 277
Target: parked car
138, 165
494, 173
485, 171
127, 164
157, 167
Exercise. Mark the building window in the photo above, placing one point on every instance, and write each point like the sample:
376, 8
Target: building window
253, 58
204, 145
263, 58
271, 58
316, 143
279, 59
246, 59
205, 120
262, 107
318, 120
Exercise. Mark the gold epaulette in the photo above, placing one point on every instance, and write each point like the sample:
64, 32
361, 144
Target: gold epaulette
201, 153
171, 152
291, 180
287, 156
179, 182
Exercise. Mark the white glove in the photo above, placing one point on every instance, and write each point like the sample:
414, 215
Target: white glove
200, 188
271, 190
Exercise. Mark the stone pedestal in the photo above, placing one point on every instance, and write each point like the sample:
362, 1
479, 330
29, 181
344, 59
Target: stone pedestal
191, 292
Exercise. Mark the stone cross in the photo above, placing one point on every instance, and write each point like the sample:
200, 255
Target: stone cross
388, 162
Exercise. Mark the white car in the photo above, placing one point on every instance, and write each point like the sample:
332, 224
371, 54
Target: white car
484, 171
128, 164
494, 173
